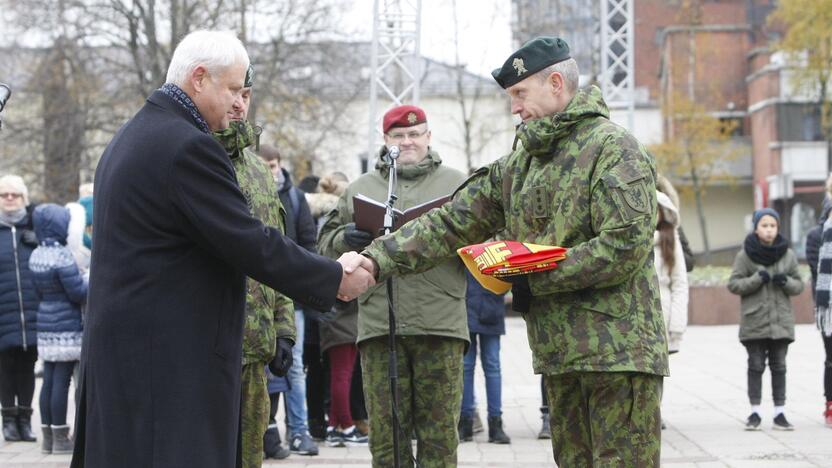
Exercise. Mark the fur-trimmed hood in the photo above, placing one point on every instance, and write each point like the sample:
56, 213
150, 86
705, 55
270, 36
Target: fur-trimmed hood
321, 203
669, 210
664, 186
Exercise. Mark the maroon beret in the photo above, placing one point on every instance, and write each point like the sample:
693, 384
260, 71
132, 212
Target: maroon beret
403, 116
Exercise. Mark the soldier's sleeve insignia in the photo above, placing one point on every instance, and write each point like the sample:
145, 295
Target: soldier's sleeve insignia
629, 191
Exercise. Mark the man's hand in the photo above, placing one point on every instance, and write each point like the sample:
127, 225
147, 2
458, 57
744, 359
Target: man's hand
282, 361
356, 238
357, 276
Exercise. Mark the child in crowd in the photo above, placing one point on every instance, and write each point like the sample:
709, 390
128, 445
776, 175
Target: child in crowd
62, 291
765, 275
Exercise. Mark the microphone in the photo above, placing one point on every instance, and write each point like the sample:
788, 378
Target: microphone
6, 93
393, 152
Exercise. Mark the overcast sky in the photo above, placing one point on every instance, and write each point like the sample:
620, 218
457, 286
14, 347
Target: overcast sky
484, 32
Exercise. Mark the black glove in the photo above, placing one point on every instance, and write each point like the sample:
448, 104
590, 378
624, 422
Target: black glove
521, 293
356, 238
765, 276
28, 237
282, 361
779, 279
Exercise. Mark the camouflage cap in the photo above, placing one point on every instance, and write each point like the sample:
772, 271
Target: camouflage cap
534, 56
249, 82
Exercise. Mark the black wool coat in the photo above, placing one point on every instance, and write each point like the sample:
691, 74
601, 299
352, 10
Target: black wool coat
174, 241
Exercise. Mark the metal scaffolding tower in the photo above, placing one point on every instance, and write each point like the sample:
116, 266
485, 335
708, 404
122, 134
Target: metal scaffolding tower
617, 57
394, 64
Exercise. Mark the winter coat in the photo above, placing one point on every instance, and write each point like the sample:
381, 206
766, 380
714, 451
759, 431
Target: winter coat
18, 299
486, 310
174, 243
60, 287
339, 326
673, 283
814, 241
429, 303
766, 309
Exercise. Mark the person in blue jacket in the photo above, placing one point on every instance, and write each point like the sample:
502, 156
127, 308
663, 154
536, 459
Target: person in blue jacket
62, 291
486, 322
18, 309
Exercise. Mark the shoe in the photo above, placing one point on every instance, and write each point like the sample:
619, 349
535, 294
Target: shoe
24, 424
477, 426
353, 438
317, 429
466, 428
47, 440
753, 422
334, 438
10, 431
61, 443
362, 425
495, 431
302, 444
545, 428
827, 415
271, 444
781, 423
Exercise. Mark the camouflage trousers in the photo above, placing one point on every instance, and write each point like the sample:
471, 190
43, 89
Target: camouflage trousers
605, 419
254, 413
430, 398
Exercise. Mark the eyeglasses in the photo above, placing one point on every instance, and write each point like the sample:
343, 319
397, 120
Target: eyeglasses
13, 196
410, 135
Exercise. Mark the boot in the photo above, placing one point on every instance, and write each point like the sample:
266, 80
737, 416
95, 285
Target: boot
477, 423
24, 424
47, 439
466, 428
271, 444
61, 444
545, 428
10, 431
495, 431
828, 414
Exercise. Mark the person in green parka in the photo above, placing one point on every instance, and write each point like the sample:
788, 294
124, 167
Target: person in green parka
431, 322
765, 275
577, 180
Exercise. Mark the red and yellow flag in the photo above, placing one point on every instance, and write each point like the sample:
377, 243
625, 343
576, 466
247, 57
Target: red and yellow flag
490, 261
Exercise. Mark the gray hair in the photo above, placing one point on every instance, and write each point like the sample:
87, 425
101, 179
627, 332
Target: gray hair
15, 182
214, 50
568, 70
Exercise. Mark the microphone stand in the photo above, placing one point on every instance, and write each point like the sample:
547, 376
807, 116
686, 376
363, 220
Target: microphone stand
392, 369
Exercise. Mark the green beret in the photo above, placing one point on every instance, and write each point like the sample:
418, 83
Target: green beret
249, 77
534, 56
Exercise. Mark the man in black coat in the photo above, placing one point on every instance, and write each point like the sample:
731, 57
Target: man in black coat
174, 242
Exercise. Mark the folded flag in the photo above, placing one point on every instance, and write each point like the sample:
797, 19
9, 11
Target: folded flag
490, 261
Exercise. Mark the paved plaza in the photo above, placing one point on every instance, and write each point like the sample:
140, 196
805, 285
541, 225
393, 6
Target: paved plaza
704, 408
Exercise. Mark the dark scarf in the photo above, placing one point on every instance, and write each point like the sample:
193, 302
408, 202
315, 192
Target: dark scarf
765, 254
176, 93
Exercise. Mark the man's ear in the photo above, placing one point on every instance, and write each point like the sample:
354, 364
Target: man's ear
198, 78
557, 82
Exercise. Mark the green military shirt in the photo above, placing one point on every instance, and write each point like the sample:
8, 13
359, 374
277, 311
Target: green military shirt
269, 314
578, 181
430, 303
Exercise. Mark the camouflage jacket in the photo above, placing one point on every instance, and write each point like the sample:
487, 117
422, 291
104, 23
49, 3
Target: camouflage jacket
269, 314
577, 181
429, 303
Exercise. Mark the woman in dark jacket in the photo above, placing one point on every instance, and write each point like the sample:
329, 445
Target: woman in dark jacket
62, 291
18, 309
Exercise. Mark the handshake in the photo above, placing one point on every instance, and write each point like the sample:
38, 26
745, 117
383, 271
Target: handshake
358, 275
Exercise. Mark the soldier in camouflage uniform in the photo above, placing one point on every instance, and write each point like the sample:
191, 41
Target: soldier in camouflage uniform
269, 316
594, 323
431, 322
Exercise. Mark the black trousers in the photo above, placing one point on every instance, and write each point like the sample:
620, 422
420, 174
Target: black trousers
17, 376
773, 351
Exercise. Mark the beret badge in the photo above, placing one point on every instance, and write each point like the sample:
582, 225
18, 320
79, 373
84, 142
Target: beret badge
519, 66
411, 117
